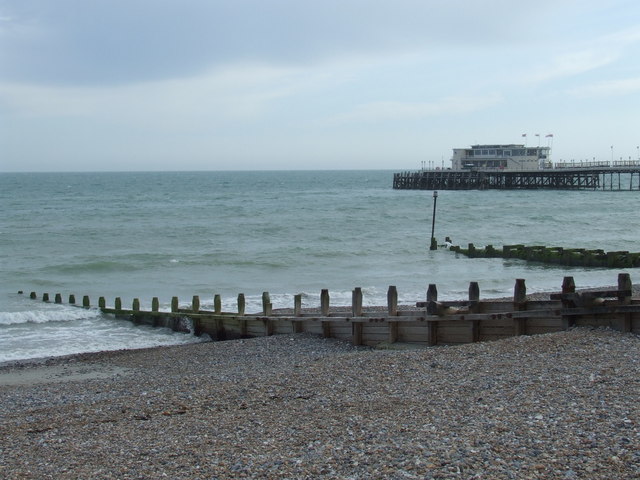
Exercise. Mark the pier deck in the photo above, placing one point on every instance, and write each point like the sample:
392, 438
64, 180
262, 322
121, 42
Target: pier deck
588, 178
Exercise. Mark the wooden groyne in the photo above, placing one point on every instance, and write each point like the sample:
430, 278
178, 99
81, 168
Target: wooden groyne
429, 322
576, 257
587, 178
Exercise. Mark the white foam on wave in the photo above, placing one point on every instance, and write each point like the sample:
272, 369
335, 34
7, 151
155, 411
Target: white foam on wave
51, 339
56, 313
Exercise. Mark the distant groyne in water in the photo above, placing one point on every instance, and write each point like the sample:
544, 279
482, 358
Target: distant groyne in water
575, 257
427, 323
599, 177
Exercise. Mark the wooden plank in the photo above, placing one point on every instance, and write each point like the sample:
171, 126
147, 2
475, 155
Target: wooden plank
393, 332
432, 336
326, 329
357, 333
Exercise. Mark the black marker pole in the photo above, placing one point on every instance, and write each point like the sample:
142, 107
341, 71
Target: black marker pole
434, 244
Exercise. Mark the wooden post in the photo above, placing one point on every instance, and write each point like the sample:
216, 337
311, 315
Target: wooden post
519, 303
33, 295
297, 305
217, 304
432, 298
474, 295
297, 312
136, 305
102, 303
625, 285
392, 309
45, 297
520, 292
266, 304
72, 299
324, 302
241, 304
58, 298
155, 304
432, 293
356, 302
242, 324
118, 303
174, 304
195, 304
568, 286
392, 301
85, 301
474, 307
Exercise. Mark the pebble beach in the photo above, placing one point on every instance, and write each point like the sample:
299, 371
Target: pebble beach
555, 406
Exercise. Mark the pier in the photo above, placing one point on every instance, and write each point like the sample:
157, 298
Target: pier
563, 177
427, 323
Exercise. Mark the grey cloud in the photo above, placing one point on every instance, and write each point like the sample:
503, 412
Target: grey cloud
122, 41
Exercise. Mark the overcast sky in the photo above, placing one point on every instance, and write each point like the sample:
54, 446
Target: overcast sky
294, 84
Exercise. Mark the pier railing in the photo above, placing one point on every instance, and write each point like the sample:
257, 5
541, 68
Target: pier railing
428, 322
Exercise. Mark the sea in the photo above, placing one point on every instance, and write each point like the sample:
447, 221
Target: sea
164, 234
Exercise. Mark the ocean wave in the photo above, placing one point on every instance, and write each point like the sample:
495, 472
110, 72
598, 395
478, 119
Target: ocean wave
63, 314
